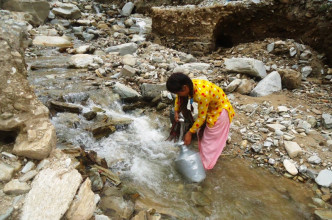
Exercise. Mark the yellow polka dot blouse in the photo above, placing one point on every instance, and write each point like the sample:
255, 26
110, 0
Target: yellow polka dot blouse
211, 100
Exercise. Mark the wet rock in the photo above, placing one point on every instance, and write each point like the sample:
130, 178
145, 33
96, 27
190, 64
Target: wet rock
324, 178
82, 60
327, 120
249, 66
290, 167
52, 41
6, 172
127, 9
15, 187
290, 79
306, 71
83, 205
123, 49
270, 47
102, 129
271, 83
324, 214
150, 91
96, 181
89, 115
65, 107
200, 199
67, 10
128, 71
314, 159
38, 9
123, 208
125, 92
53, 190
292, 148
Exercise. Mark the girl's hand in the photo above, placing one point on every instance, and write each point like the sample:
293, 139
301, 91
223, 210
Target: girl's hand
176, 116
187, 138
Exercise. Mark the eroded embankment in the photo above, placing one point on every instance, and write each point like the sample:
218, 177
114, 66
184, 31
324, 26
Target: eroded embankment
201, 30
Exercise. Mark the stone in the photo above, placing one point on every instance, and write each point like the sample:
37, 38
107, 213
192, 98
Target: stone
128, 71
125, 92
323, 214
101, 217
245, 87
303, 169
82, 49
192, 67
127, 9
271, 83
292, 51
83, 205
290, 167
129, 59
270, 47
81, 60
53, 189
67, 10
28, 176
233, 85
6, 172
123, 49
327, 120
150, 91
52, 41
274, 127
306, 71
304, 125
324, 178
38, 9
89, 115
271, 161
290, 79
248, 66
118, 205
314, 159
29, 166
15, 187
292, 148
282, 109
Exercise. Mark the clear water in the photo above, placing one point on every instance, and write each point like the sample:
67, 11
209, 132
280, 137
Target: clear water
145, 161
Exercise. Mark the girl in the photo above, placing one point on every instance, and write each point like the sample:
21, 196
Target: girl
214, 110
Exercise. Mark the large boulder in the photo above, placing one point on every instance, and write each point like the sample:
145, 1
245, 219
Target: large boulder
38, 9
270, 84
248, 66
20, 110
291, 79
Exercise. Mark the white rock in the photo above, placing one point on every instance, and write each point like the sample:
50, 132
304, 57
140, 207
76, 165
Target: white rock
83, 206
81, 60
270, 47
6, 172
53, 190
282, 109
290, 167
52, 41
16, 187
249, 66
324, 178
306, 71
274, 127
314, 159
42, 164
270, 84
272, 161
29, 166
192, 67
28, 176
292, 148
129, 59
82, 49
101, 217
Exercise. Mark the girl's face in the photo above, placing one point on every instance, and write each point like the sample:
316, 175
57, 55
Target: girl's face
184, 91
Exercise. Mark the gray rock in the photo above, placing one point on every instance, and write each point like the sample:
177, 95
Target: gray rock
101, 217
125, 92
150, 91
129, 59
306, 71
29, 166
314, 159
303, 169
271, 83
312, 173
67, 10
292, 148
249, 66
127, 9
327, 120
233, 85
324, 178
128, 71
256, 147
192, 67
245, 87
272, 161
123, 49
270, 47
28, 176
292, 51
275, 127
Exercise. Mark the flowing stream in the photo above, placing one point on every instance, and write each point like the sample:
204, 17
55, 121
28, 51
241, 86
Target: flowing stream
145, 161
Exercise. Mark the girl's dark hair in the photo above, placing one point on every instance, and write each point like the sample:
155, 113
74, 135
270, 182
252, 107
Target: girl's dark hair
175, 83
177, 80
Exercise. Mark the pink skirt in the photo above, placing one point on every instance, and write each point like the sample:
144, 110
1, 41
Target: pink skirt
214, 140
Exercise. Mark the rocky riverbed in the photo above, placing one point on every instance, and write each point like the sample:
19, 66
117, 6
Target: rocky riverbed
88, 57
